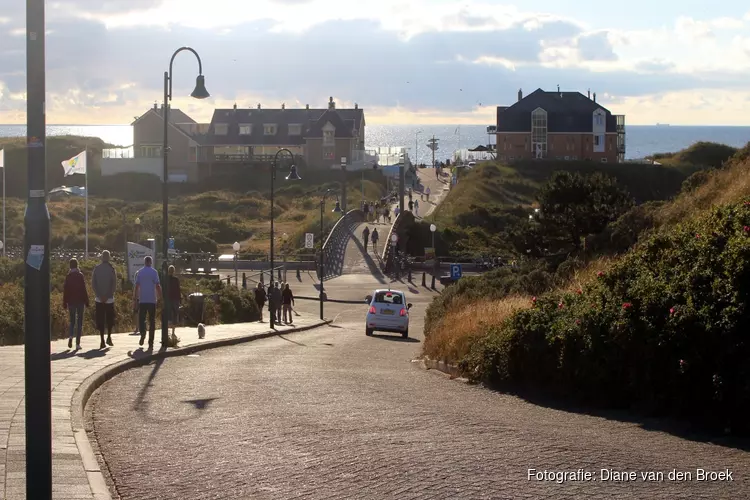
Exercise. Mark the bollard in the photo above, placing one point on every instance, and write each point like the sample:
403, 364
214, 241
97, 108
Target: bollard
261, 278
433, 282
424, 279
298, 275
229, 280
244, 281
279, 272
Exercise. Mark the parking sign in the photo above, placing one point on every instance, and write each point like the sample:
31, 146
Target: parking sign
309, 240
455, 271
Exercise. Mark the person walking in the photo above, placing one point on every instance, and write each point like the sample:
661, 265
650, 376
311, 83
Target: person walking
366, 236
275, 302
427, 192
375, 240
104, 285
416, 208
147, 291
260, 299
411, 206
287, 300
366, 210
175, 298
75, 298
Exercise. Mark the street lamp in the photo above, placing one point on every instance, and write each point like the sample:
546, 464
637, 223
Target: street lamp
236, 248
291, 177
336, 210
199, 92
138, 229
433, 228
416, 148
343, 182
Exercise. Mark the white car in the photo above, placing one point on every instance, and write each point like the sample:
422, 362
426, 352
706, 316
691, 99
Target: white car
388, 312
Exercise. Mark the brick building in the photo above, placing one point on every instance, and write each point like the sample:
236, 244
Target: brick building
561, 126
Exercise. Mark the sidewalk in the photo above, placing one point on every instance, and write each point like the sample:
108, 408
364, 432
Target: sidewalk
70, 446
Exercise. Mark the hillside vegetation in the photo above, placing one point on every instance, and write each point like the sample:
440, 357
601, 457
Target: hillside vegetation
701, 154
660, 327
206, 217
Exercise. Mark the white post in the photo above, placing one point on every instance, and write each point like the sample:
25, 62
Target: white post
5, 242
86, 182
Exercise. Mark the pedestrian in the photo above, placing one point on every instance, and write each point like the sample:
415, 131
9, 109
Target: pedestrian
104, 285
427, 192
175, 298
75, 298
372, 211
396, 211
366, 210
416, 208
375, 240
135, 309
366, 236
287, 299
275, 302
411, 206
260, 299
147, 292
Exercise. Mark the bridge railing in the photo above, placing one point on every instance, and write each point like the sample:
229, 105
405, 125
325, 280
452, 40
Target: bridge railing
388, 248
334, 247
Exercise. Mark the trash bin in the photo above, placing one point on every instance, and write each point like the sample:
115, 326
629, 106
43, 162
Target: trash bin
196, 306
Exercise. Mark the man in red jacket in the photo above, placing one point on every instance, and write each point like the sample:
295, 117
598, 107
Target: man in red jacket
75, 298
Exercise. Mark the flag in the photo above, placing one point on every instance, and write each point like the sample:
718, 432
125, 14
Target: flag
456, 131
76, 165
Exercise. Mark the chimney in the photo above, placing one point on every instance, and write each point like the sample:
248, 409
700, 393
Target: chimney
589, 93
235, 106
258, 105
331, 104
356, 106
307, 106
520, 94
156, 106
283, 106
594, 96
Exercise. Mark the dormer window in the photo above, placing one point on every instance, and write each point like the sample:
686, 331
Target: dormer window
269, 129
329, 134
246, 129
295, 129
221, 129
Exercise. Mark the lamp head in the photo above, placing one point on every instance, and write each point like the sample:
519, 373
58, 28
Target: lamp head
337, 208
433, 227
236, 246
137, 220
293, 176
200, 91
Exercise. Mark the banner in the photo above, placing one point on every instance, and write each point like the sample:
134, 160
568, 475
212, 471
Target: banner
136, 254
76, 165
429, 254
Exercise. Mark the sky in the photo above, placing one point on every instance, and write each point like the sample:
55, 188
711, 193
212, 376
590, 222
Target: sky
419, 62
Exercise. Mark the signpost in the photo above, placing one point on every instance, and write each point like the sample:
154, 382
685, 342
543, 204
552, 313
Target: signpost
309, 240
456, 271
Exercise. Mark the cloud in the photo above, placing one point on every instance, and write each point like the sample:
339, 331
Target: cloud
654, 66
596, 47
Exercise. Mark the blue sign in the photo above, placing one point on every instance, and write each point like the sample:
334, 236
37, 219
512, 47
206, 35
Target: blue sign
171, 243
455, 271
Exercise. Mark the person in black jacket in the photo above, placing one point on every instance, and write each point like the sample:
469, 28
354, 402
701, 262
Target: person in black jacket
260, 299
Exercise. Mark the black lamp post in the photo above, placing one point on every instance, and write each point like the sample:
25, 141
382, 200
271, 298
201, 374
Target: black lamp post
291, 177
200, 92
337, 210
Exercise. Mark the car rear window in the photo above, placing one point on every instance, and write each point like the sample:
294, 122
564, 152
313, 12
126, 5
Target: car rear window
389, 298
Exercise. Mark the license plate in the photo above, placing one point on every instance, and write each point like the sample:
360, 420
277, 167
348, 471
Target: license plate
386, 311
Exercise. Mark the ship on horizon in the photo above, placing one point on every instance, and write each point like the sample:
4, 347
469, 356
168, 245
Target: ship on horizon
662, 124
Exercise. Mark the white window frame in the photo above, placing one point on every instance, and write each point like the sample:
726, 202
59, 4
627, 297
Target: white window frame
246, 128
329, 152
295, 129
221, 129
539, 124
270, 129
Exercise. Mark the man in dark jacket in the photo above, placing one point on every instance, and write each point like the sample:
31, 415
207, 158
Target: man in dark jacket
75, 298
274, 301
260, 299
104, 285
366, 236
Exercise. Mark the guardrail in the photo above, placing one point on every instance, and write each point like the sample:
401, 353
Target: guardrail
387, 261
63, 254
334, 247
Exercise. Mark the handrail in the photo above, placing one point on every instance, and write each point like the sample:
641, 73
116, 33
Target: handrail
336, 237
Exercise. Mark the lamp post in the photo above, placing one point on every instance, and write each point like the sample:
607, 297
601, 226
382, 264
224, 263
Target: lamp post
433, 228
138, 229
236, 248
343, 183
291, 177
436, 267
416, 148
199, 92
337, 210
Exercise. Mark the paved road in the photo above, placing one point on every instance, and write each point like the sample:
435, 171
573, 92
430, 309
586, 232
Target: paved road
332, 413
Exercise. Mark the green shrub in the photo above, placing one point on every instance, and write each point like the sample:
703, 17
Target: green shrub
665, 328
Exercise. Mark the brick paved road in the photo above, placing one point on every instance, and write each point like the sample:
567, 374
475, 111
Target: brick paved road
335, 414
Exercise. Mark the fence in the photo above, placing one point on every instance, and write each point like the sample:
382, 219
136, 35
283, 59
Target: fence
334, 247
388, 247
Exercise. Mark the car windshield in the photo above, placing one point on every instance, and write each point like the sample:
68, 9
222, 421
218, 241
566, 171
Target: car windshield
389, 298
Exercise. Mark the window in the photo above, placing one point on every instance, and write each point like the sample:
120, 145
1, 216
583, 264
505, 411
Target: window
596, 140
221, 129
599, 119
151, 151
539, 133
604, 160
329, 137
389, 298
269, 129
295, 129
246, 129
567, 157
329, 153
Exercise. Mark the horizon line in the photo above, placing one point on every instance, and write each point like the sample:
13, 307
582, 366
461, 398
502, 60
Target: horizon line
376, 125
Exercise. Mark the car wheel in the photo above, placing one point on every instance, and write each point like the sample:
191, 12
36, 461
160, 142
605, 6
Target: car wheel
405, 335
368, 332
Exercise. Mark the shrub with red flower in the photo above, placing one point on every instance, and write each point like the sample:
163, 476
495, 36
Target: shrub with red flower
579, 291
533, 300
560, 305
746, 229
600, 274
627, 305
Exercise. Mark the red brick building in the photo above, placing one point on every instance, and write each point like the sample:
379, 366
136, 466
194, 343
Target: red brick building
561, 126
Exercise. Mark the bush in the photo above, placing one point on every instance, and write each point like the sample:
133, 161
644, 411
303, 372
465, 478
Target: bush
665, 328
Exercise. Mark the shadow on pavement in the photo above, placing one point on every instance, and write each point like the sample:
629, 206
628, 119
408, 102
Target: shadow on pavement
56, 356
200, 404
94, 353
140, 404
371, 265
292, 341
397, 339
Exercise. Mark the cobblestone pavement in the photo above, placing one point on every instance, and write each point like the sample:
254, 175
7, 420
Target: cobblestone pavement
335, 414
69, 370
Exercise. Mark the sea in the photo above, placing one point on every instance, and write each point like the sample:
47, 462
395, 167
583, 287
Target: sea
640, 140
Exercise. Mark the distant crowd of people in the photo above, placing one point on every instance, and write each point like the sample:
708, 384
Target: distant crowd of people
280, 301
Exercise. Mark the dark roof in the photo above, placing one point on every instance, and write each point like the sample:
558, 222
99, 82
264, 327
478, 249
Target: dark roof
311, 121
566, 112
175, 115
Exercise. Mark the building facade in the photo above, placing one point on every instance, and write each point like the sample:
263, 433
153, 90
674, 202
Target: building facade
236, 137
561, 126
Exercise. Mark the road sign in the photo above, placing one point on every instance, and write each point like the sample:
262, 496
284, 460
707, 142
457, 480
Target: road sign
309, 240
171, 243
455, 271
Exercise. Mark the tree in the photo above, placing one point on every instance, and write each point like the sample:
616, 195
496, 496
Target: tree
573, 206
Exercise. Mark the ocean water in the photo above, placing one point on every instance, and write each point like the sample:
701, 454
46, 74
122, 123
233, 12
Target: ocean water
640, 140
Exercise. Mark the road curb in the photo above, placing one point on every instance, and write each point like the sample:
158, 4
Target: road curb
84, 391
336, 301
442, 366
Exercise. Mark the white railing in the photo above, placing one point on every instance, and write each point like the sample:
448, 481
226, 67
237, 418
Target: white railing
127, 152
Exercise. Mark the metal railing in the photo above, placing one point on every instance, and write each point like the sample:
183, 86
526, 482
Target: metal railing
334, 247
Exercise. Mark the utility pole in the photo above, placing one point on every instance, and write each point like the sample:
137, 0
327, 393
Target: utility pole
37, 272
433, 145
